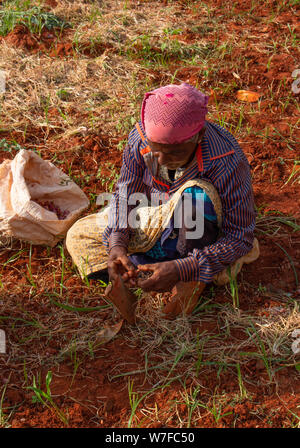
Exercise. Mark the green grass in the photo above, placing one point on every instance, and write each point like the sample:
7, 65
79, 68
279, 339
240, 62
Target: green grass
33, 17
45, 397
262, 350
9, 146
234, 289
271, 226
75, 309
161, 53
243, 390
192, 403
29, 269
135, 400
4, 418
108, 181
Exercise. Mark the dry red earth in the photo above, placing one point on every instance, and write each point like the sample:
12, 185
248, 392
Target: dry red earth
93, 397
50, 43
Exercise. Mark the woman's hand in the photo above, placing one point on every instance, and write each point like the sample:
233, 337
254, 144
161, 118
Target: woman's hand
164, 276
119, 264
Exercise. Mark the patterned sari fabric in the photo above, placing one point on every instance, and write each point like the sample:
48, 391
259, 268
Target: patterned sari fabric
174, 243
153, 238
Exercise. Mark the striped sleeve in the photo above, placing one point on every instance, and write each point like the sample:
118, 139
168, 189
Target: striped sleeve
117, 232
231, 177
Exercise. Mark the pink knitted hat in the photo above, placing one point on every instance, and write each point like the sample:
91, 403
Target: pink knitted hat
173, 114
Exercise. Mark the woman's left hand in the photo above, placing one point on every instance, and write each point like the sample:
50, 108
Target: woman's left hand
164, 276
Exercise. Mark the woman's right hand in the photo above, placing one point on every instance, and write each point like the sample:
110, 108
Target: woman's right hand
119, 264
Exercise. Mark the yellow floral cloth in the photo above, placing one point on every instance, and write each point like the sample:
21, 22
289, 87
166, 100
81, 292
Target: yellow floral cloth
84, 238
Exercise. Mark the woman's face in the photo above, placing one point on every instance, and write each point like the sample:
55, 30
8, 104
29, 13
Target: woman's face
175, 156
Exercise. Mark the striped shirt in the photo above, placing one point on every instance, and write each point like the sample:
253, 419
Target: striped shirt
219, 160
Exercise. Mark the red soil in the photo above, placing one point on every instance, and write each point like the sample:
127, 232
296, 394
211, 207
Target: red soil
94, 399
48, 42
92, 385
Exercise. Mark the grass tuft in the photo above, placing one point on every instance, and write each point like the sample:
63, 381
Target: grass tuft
34, 18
